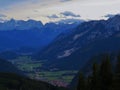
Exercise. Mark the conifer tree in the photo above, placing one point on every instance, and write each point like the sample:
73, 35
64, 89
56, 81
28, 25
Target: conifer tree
88, 83
105, 73
95, 78
81, 82
116, 81
118, 65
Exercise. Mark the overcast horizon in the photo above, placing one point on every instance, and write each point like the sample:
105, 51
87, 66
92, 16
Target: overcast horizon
54, 10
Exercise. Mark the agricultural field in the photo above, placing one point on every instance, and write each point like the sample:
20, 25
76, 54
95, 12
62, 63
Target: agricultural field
26, 64
64, 76
33, 69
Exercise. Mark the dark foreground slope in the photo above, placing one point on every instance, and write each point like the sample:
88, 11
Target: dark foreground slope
13, 79
15, 82
6, 66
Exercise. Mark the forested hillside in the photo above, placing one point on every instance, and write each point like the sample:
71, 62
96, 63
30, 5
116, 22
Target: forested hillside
103, 76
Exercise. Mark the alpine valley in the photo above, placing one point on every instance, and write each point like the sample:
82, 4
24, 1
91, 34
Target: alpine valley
55, 52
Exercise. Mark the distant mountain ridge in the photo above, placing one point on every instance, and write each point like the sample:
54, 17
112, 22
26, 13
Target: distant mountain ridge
20, 25
16, 34
13, 24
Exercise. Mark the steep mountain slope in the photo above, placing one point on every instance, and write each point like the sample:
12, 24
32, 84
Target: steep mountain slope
75, 49
23, 38
8, 55
80, 57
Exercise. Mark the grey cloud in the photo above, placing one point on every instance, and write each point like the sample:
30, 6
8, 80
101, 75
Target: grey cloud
54, 16
2, 16
36, 11
1, 20
28, 17
71, 21
65, 0
68, 13
109, 15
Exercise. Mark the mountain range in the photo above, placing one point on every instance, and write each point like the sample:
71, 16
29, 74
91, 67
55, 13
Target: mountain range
88, 39
27, 36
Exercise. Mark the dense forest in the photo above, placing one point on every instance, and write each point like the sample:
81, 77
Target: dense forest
103, 76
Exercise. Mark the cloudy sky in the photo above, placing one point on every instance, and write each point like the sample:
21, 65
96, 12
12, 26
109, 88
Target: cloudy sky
52, 10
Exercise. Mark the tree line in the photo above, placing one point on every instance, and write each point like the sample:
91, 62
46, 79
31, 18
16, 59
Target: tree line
104, 76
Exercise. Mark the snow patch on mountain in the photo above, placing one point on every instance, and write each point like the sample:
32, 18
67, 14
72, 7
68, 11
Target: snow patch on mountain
67, 53
79, 35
